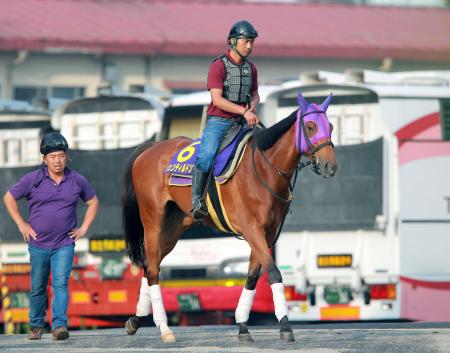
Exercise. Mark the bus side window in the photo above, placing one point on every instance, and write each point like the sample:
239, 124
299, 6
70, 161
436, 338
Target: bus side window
445, 118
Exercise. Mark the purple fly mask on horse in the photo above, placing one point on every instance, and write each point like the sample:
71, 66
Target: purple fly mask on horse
316, 113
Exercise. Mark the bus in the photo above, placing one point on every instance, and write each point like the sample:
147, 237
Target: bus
368, 244
372, 243
102, 133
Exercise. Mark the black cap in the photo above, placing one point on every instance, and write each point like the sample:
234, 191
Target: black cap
53, 141
243, 29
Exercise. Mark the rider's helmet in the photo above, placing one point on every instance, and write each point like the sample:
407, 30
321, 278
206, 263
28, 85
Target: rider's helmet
242, 29
53, 141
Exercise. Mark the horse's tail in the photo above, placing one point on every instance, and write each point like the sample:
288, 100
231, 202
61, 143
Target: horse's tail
132, 224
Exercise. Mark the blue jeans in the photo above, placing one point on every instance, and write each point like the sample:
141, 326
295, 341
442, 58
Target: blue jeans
59, 263
215, 130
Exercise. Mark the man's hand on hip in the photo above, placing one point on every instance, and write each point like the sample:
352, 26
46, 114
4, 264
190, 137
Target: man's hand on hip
27, 231
77, 233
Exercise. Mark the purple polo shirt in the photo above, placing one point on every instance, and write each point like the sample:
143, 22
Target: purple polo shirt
52, 208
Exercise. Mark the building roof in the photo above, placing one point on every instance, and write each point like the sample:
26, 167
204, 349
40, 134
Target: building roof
193, 27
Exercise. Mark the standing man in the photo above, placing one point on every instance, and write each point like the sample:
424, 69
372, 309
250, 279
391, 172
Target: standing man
52, 193
233, 84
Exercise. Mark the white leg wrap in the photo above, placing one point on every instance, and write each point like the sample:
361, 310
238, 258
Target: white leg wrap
279, 300
144, 302
245, 305
164, 329
159, 313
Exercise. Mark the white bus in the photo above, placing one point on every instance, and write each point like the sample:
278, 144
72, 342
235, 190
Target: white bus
373, 242
21, 126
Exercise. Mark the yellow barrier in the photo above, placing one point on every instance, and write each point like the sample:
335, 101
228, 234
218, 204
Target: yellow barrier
6, 305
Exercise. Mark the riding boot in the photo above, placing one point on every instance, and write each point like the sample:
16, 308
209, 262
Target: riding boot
199, 208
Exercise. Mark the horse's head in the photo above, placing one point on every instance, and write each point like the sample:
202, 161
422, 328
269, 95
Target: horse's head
313, 136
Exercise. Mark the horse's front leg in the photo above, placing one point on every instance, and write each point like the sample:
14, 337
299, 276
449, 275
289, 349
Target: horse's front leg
262, 253
246, 300
279, 301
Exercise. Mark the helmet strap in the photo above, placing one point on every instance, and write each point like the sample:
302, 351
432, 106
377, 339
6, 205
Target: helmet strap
234, 47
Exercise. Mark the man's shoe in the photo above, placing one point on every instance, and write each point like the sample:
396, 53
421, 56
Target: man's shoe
60, 333
35, 333
199, 211
133, 324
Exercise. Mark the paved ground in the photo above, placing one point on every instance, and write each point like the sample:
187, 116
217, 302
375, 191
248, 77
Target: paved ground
323, 338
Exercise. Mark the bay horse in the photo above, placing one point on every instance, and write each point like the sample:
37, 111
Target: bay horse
256, 198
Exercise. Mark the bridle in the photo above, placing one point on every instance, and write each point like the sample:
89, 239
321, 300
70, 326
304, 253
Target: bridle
311, 149
287, 174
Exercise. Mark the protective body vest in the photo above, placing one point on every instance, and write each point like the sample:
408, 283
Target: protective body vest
237, 86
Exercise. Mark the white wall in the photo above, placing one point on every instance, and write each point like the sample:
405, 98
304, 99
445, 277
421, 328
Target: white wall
85, 70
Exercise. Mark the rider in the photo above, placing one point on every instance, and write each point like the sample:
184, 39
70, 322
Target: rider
233, 84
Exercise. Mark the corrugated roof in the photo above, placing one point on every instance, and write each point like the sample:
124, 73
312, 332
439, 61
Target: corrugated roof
200, 28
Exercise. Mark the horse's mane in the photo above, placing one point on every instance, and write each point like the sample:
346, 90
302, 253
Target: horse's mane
268, 137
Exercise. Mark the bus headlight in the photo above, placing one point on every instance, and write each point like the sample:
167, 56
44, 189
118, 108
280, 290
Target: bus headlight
235, 267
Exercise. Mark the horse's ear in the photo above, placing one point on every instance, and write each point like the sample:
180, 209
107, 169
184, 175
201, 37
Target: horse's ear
326, 102
302, 102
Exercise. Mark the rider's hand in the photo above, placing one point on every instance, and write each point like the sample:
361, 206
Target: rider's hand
251, 118
27, 231
253, 108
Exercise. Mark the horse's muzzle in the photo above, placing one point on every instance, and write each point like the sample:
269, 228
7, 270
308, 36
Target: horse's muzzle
327, 169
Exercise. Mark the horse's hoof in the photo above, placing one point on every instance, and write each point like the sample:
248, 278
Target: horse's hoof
168, 337
131, 329
287, 336
245, 337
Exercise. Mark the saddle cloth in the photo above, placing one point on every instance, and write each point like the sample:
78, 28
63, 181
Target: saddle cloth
225, 164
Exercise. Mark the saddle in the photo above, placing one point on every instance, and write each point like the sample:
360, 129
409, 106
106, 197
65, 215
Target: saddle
230, 136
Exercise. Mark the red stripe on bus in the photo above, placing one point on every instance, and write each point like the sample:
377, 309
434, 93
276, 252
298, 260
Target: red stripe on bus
426, 284
416, 127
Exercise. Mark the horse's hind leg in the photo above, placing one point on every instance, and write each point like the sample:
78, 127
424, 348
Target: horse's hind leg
246, 300
152, 220
161, 235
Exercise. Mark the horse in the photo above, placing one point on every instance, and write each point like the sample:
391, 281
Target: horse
257, 196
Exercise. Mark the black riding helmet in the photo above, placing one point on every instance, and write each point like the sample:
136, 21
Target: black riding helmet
53, 141
242, 29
